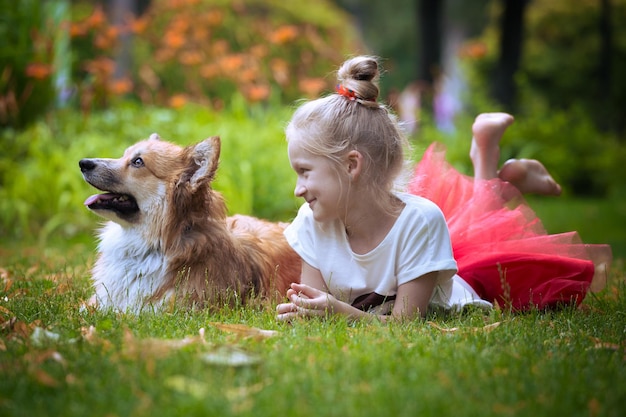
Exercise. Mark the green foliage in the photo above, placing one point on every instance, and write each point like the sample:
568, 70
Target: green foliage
584, 158
564, 66
563, 58
589, 162
59, 358
42, 189
26, 85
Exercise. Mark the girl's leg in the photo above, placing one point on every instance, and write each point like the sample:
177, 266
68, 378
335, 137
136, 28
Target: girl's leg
487, 131
529, 176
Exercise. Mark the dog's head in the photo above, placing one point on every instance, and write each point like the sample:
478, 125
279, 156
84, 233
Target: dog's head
138, 184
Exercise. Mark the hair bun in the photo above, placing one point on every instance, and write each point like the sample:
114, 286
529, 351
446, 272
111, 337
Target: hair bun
360, 74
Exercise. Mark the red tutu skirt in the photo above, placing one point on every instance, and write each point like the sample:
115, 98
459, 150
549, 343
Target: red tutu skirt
500, 245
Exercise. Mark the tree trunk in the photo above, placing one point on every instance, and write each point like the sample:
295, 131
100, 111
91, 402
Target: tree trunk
605, 64
121, 10
511, 42
429, 18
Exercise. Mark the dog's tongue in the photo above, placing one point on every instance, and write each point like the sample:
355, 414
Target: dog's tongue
98, 198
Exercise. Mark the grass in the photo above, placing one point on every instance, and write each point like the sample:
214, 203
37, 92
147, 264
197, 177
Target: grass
596, 220
59, 359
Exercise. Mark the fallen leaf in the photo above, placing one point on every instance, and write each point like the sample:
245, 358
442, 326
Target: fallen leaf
153, 347
8, 283
8, 324
245, 331
487, 328
19, 328
443, 329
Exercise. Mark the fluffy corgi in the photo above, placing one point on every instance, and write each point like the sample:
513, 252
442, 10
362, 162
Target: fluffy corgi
168, 238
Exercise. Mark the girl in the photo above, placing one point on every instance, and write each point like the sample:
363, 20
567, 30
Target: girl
369, 251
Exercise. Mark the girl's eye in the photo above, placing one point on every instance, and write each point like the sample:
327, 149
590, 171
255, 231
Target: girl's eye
137, 162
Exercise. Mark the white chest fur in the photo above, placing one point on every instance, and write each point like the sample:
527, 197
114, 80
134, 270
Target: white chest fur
128, 270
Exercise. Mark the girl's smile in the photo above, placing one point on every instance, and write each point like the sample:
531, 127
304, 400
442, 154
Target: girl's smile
319, 182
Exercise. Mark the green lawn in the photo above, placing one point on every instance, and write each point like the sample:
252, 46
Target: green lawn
60, 359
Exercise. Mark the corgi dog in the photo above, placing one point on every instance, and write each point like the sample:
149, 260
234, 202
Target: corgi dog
168, 238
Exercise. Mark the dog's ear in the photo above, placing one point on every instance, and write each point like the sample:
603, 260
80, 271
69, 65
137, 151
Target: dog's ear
204, 157
154, 136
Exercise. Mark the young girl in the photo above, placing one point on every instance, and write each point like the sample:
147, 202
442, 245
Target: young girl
369, 251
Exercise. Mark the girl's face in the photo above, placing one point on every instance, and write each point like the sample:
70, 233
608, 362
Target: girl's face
319, 182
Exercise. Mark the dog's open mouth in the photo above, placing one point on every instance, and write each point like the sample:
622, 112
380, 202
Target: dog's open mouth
121, 203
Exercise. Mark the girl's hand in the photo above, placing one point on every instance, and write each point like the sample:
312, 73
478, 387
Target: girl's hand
306, 301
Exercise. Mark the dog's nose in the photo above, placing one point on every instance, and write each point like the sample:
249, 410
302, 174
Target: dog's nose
86, 165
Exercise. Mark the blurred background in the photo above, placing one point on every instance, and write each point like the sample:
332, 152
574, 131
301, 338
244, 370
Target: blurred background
89, 78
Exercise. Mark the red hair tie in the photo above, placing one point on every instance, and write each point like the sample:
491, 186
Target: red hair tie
347, 93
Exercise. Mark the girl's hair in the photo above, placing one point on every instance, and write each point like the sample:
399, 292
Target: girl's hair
352, 119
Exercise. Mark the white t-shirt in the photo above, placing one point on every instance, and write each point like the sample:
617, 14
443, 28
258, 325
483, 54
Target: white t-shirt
418, 243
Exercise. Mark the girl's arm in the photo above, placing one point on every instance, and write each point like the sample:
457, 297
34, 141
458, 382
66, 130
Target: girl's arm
311, 298
413, 297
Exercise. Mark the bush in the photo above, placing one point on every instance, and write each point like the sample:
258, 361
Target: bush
206, 50
556, 121
43, 190
26, 86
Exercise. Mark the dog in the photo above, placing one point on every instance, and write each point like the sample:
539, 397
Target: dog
168, 238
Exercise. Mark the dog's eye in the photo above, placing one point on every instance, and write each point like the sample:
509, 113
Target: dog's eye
137, 162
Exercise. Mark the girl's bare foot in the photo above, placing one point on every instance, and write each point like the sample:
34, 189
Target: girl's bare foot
529, 176
487, 131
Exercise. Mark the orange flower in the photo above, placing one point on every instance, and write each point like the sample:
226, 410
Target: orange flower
179, 24
200, 34
284, 34
77, 29
190, 58
120, 86
219, 47
256, 93
38, 70
209, 71
174, 39
259, 51
213, 17
248, 75
177, 101
473, 50
231, 63
104, 66
138, 25
97, 18
312, 87
107, 38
